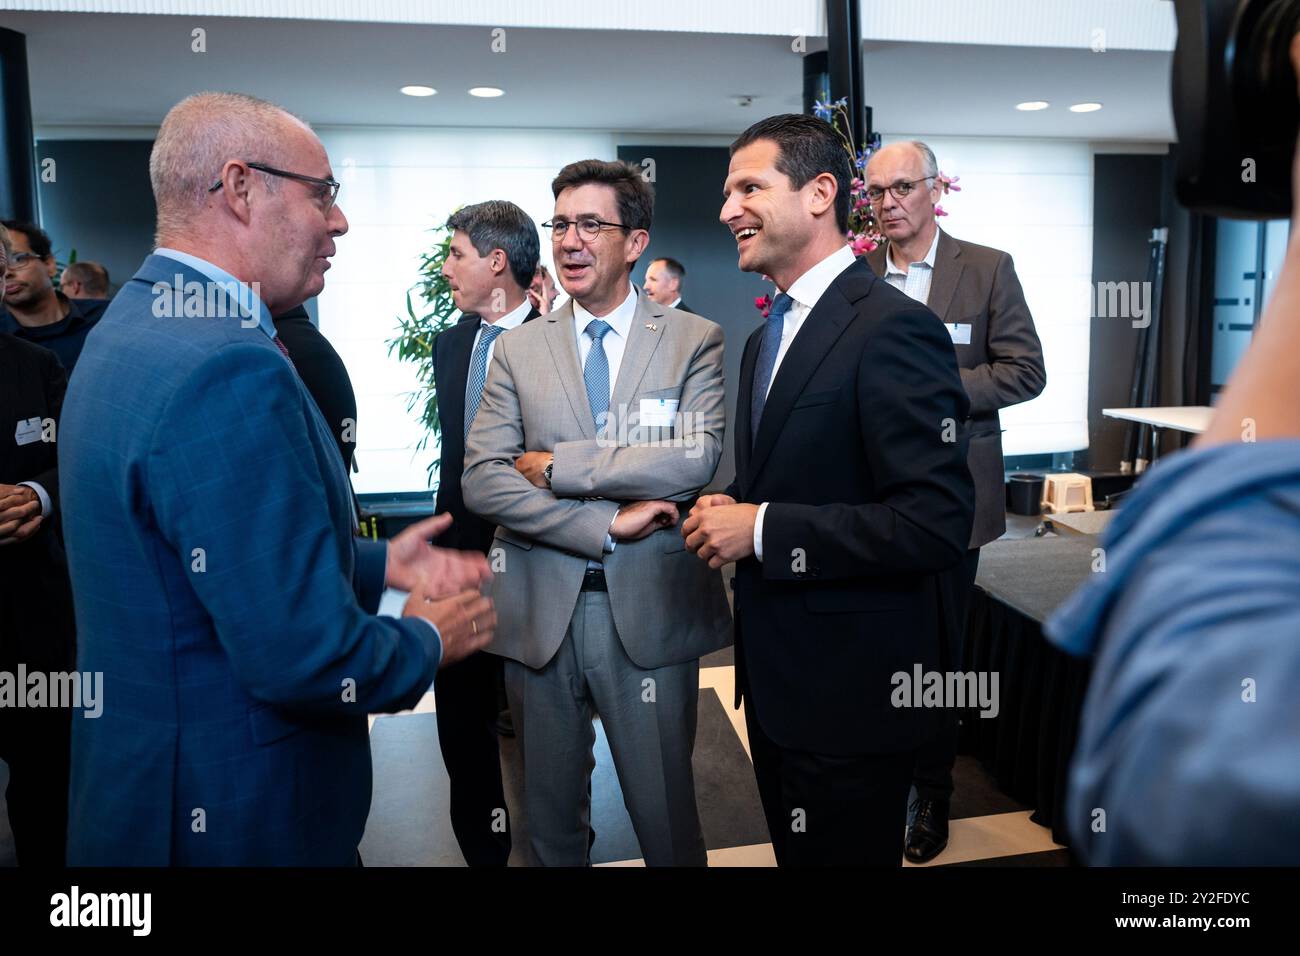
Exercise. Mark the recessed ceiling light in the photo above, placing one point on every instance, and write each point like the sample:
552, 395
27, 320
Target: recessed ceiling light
1085, 107
419, 90
1033, 105
486, 91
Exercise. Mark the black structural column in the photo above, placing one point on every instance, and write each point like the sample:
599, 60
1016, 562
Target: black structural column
17, 142
844, 59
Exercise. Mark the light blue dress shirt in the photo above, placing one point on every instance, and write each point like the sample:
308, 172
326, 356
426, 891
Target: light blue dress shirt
1189, 743
242, 292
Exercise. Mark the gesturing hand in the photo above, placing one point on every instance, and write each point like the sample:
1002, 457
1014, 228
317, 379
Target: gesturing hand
444, 571
465, 621
641, 518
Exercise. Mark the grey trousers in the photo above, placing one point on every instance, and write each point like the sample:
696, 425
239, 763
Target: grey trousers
649, 719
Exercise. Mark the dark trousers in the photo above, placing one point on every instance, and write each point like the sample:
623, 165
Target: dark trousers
35, 745
933, 773
36, 630
831, 811
465, 700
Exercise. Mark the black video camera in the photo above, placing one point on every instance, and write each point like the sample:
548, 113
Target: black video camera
1235, 106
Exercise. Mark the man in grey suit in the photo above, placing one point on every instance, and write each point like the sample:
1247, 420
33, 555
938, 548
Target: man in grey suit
600, 423
974, 291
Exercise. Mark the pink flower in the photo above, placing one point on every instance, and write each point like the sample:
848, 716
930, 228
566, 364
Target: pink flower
764, 304
939, 211
862, 245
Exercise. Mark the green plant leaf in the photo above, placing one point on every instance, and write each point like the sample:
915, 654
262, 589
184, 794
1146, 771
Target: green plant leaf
436, 311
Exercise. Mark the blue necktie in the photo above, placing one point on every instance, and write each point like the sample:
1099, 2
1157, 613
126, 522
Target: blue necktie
767, 361
478, 373
596, 371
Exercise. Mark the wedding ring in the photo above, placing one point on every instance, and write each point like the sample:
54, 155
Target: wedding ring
475, 626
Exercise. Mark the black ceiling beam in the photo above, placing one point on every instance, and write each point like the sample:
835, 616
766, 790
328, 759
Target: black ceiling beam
844, 62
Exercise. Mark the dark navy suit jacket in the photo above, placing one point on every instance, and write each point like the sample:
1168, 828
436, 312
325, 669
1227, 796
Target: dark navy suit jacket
861, 457
452, 348
220, 589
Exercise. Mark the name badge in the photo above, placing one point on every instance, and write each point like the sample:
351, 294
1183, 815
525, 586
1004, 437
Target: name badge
960, 333
658, 412
28, 430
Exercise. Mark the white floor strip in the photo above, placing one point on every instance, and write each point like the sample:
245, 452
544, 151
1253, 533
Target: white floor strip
993, 836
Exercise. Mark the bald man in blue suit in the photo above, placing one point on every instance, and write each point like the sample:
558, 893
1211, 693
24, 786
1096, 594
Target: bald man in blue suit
219, 585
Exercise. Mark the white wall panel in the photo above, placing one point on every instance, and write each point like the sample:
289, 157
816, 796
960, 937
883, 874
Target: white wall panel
397, 184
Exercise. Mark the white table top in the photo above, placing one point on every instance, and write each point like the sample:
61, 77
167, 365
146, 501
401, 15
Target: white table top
1186, 418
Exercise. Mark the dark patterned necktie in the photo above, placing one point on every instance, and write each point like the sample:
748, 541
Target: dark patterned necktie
283, 351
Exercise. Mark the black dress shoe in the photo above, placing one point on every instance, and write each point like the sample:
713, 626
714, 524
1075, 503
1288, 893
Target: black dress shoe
928, 834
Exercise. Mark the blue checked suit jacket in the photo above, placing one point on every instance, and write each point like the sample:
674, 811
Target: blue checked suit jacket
221, 591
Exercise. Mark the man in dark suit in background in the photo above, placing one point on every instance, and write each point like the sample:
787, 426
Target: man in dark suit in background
490, 264
851, 497
663, 283
322, 370
85, 280
36, 622
35, 309
974, 291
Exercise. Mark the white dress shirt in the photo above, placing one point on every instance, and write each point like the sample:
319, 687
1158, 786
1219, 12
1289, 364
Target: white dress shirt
42, 494
511, 320
675, 303
915, 282
805, 291
615, 343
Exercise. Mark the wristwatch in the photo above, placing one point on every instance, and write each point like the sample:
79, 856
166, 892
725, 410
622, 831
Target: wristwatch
550, 466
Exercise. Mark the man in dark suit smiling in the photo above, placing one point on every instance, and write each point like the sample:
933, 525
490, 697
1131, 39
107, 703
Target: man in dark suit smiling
851, 494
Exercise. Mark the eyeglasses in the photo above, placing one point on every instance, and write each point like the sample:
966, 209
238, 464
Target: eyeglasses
588, 228
899, 189
323, 184
19, 260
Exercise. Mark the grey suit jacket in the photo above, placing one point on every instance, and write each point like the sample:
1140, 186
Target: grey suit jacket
1003, 364
668, 606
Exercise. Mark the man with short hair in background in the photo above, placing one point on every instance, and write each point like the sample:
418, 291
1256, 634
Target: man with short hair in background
541, 292
36, 311
975, 292
663, 283
37, 630
84, 280
490, 263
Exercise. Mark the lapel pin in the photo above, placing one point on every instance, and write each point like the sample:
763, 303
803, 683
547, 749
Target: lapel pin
652, 327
